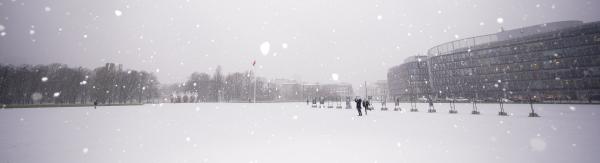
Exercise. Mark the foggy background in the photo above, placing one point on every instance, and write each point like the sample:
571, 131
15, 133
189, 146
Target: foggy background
309, 40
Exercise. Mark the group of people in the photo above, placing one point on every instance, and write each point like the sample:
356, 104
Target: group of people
362, 103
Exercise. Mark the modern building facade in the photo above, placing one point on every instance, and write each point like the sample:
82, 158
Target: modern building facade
410, 79
553, 61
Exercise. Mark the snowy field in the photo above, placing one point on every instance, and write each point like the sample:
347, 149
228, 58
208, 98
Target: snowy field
293, 132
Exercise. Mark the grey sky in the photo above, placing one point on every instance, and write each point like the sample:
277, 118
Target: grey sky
359, 40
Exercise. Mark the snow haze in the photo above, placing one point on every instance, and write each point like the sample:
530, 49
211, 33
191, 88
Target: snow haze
359, 40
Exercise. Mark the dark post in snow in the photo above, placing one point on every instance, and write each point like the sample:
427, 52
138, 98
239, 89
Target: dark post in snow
348, 103
532, 114
453, 107
413, 105
431, 107
339, 102
502, 113
397, 104
475, 109
383, 104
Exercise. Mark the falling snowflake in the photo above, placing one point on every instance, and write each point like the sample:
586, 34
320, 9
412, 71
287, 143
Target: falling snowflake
265, 47
335, 76
56, 94
284, 45
44, 79
379, 17
2, 27
500, 20
118, 13
85, 150
537, 144
36, 96
47, 9
31, 32
295, 117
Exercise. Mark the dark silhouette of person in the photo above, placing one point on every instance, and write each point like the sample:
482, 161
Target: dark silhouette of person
366, 105
358, 107
95, 104
307, 103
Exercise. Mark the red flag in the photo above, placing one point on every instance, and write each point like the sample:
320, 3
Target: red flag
253, 62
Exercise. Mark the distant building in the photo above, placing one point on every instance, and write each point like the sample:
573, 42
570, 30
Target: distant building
330, 91
409, 79
553, 61
291, 90
378, 90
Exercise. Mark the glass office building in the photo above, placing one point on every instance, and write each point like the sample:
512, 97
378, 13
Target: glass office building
410, 79
550, 62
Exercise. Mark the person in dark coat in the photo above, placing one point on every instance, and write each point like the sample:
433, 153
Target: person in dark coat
366, 105
358, 107
95, 104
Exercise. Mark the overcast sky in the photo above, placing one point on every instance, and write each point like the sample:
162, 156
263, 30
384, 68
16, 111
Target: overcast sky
309, 39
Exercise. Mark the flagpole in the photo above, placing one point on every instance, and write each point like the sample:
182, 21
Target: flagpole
255, 81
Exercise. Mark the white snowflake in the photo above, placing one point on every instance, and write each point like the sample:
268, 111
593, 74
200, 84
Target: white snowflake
265, 47
335, 76
284, 45
500, 20
537, 144
47, 9
85, 150
56, 94
118, 12
44, 79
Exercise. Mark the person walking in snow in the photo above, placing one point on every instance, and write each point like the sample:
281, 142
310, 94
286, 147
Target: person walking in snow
358, 107
366, 105
95, 103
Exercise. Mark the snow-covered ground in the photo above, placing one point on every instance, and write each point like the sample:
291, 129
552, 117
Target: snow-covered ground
293, 132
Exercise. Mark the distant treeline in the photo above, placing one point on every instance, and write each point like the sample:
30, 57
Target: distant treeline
60, 84
233, 87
